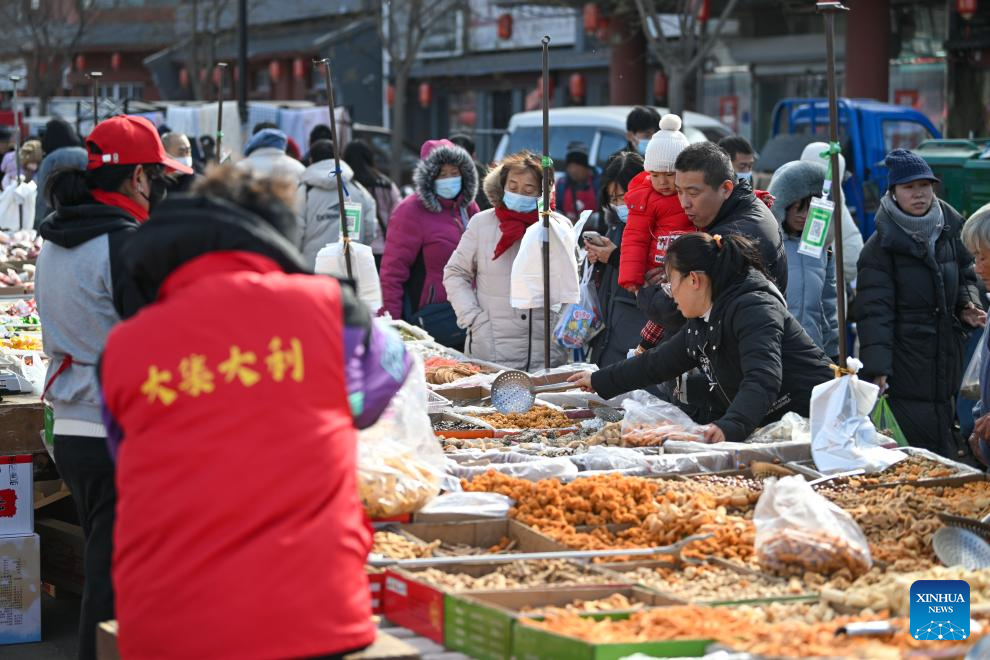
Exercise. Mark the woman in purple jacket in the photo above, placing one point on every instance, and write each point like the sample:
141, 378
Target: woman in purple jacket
423, 232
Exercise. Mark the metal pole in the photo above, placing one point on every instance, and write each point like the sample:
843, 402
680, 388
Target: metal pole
222, 68
95, 77
336, 158
547, 184
14, 79
242, 60
829, 9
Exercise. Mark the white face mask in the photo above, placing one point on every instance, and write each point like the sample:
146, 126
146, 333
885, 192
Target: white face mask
185, 160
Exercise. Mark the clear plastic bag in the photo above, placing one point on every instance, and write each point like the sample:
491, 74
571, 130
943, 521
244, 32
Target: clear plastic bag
799, 531
971, 379
478, 505
790, 428
400, 460
536, 469
650, 422
581, 321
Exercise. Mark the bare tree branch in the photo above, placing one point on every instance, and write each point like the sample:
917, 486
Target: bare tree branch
713, 39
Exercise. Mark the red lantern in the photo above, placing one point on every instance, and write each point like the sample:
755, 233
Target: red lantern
966, 8
577, 85
590, 15
704, 11
602, 32
659, 85
390, 94
505, 27
115, 60
275, 70
425, 94
183, 77
298, 68
80, 62
467, 118
217, 77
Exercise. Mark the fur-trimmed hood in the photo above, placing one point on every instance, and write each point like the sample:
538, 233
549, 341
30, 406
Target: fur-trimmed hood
493, 188
434, 155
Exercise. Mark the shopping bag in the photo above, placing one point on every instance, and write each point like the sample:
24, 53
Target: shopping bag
883, 419
526, 288
971, 379
581, 321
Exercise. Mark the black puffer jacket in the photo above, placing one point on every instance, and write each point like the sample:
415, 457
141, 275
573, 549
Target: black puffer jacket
623, 320
907, 306
742, 214
759, 361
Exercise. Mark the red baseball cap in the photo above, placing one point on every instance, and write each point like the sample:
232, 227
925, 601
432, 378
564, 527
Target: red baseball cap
128, 140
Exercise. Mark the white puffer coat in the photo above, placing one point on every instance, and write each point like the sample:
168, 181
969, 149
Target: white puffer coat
478, 288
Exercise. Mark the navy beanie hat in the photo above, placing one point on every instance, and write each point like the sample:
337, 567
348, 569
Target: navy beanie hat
904, 166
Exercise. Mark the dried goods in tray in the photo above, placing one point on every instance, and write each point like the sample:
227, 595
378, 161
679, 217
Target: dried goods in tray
615, 602
397, 546
537, 418
891, 591
708, 583
515, 575
440, 370
913, 468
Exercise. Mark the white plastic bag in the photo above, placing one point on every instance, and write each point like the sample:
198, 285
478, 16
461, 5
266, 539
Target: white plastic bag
330, 261
17, 206
650, 422
971, 379
842, 435
535, 469
479, 505
526, 289
799, 531
790, 428
400, 460
579, 322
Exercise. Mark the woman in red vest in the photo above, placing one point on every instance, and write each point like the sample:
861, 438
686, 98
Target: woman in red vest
232, 401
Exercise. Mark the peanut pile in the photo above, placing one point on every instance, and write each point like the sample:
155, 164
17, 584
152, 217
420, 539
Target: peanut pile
515, 575
712, 583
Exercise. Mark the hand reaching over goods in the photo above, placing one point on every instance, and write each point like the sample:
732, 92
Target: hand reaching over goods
654, 435
708, 583
440, 371
614, 603
397, 546
515, 575
778, 631
899, 521
537, 418
799, 531
877, 591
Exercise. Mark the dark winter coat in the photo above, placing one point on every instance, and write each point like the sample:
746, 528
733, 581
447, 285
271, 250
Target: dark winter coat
759, 361
742, 214
623, 320
907, 305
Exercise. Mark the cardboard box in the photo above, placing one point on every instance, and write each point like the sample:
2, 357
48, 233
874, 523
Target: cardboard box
531, 643
481, 623
20, 589
420, 606
16, 495
62, 561
376, 583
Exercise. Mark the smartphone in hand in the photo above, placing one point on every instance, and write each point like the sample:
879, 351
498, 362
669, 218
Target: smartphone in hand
593, 237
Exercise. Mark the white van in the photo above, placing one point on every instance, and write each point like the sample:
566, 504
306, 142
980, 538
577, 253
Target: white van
601, 128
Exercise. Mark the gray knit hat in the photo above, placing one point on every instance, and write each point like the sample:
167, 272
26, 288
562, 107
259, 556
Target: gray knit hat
794, 181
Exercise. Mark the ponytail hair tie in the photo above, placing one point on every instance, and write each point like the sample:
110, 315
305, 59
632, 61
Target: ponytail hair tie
718, 241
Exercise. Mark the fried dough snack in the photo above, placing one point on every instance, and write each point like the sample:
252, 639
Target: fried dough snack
396, 546
540, 417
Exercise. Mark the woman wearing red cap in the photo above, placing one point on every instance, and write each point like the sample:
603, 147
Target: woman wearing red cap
80, 297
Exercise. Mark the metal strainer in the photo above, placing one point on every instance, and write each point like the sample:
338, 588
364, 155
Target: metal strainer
955, 546
513, 392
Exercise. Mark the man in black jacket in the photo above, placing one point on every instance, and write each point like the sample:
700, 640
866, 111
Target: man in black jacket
716, 204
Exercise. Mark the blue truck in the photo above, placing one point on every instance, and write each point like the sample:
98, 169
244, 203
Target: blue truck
867, 131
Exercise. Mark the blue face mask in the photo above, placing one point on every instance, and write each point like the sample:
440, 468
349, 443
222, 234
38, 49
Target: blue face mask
519, 203
449, 188
744, 176
622, 211
643, 144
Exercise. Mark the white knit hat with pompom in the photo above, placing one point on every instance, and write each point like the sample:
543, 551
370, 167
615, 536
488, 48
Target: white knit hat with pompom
665, 145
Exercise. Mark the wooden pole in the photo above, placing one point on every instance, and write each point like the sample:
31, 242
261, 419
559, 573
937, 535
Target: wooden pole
547, 184
336, 157
829, 10
222, 68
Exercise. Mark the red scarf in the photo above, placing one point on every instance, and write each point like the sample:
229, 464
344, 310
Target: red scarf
513, 225
122, 202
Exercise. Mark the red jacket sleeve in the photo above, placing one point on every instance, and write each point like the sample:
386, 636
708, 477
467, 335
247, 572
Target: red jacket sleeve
402, 243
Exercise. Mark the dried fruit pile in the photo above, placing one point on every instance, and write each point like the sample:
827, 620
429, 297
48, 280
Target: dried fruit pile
515, 575
660, 512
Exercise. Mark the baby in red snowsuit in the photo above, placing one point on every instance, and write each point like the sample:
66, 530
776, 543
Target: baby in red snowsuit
655, 215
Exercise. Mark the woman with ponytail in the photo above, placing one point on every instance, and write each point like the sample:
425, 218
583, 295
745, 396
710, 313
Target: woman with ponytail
758, 360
